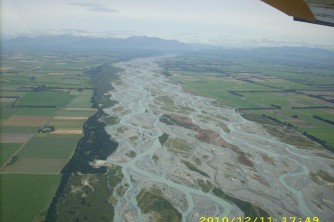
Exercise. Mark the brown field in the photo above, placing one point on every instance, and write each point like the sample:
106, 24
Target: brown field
300, 122
15, 137
35, 166
56, 73
5, 68
296, 121
81, 109
7, 99
67, 132
235, 81
300, 101
328, 97
330, 111
28, 61
70, 118
328, 93
246, 75
25, 121
276, 80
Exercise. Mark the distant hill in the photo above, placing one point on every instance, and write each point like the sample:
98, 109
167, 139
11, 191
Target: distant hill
294, 56
97, 43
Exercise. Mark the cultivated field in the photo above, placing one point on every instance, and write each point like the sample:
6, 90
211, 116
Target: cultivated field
37, 90
7, 150
46, 99
25, 197
291, 93
15, 120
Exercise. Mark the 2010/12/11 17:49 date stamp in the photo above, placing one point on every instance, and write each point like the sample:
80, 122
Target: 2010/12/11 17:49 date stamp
259, 219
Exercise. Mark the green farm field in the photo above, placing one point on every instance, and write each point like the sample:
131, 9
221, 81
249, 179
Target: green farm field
25, 196
45, 99
290, 93
49, 146
67, 124
7, 150
82, 100
33, 111
39, 86
18, 129
216, 88
44, 153
7, 110
74, 113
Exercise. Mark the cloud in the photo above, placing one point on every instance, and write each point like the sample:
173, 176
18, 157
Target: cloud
101, 9
94, 7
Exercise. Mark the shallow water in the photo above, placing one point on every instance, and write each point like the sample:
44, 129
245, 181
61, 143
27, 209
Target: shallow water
139, 111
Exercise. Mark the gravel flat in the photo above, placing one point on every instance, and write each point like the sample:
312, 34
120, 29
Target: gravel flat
228, 151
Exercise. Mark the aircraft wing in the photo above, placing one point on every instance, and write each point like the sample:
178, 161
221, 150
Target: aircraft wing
319, 12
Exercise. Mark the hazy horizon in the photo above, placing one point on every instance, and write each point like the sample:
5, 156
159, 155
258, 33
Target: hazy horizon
224, 23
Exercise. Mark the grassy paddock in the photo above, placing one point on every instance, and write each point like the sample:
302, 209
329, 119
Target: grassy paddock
83, 100
49, 98
24, 196
83, 113
7, 150
282, 84
44, 153
32, 111
67, 124
49, 146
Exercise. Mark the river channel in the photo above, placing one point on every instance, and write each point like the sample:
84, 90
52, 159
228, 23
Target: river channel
281, 186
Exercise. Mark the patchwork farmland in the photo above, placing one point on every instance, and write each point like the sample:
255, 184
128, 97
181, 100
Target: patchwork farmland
291, 92
45, 101
47, 114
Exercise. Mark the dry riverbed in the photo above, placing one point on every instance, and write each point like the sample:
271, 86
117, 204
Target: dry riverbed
176, 149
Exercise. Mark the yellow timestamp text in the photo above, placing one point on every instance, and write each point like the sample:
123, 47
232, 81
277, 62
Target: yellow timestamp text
258, 219
300, 219
235, 219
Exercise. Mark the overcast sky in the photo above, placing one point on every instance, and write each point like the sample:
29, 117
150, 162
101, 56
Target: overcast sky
217, 22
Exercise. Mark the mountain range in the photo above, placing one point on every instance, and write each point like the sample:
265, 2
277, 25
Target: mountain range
96, 43
138, 44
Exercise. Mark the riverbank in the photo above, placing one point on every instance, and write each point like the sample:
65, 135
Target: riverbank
96, 144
